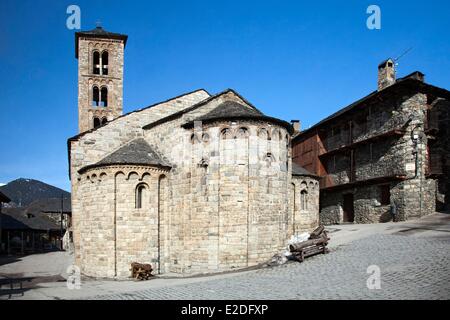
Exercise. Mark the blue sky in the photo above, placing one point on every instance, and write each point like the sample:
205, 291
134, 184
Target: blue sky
292, 59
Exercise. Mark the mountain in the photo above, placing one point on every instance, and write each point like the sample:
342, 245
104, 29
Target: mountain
22, 191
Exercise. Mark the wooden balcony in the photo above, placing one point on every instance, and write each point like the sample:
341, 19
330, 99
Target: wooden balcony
328, 184
394, 132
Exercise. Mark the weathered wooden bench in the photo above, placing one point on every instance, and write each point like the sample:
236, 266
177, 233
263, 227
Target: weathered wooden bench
317, 243
141, 271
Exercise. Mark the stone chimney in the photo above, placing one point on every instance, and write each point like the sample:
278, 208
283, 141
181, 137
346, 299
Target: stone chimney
296, 125
386, 74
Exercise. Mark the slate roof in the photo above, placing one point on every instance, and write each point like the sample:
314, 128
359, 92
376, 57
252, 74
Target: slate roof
137, 152
78, 136
98, 32
413, 81
19, 219
50, 205
300, 171
231, 110
180, 113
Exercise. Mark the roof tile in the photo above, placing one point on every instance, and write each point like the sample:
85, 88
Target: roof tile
137, 152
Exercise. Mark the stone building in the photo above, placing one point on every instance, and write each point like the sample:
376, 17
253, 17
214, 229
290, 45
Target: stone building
389, 148
195, 184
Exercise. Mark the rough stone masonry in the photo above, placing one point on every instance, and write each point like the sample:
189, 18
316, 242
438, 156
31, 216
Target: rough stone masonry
387, 150
199, 183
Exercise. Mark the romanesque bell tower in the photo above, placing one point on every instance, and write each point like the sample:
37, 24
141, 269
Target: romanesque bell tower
100, 76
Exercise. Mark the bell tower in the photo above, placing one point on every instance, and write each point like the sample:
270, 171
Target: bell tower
100, 76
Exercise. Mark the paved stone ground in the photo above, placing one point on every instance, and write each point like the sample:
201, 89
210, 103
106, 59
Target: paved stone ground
411, 268
413, 256
41, 264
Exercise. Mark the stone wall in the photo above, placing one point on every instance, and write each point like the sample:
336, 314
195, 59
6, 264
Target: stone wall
367, 202
225, 204
113, 232
233, 196
91, 147
305, 215
95, 225
393, 156
412, 202
382, 157
86, 80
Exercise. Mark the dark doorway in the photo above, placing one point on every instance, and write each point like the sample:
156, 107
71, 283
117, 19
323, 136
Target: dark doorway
385, 195
349, 212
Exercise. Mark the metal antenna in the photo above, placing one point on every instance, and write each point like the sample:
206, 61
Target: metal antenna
399, 57
403, 54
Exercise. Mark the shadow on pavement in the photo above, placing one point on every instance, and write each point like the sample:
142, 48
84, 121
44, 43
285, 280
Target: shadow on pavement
14, 285
11, 258
10, 287
8, 259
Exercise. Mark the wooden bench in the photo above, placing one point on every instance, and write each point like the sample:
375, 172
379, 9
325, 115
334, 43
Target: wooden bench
317, 243
141, 271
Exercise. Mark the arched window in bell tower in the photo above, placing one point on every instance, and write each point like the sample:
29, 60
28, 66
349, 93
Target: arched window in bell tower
104, 97
104, 120
105, 63
95, 96
96, 62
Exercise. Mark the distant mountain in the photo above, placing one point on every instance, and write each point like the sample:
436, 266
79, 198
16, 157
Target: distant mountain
22, 191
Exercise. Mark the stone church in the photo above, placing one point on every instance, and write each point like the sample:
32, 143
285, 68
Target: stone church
198, 183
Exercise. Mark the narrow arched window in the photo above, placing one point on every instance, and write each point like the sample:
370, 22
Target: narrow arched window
96, 62
304, 199
269, 159
225, 133
95, 97
104, 97
205, 137
105, 63
242, 132
194, 139
104, 120
140, 195
96, 122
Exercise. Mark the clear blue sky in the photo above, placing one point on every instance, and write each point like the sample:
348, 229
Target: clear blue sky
292, 59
